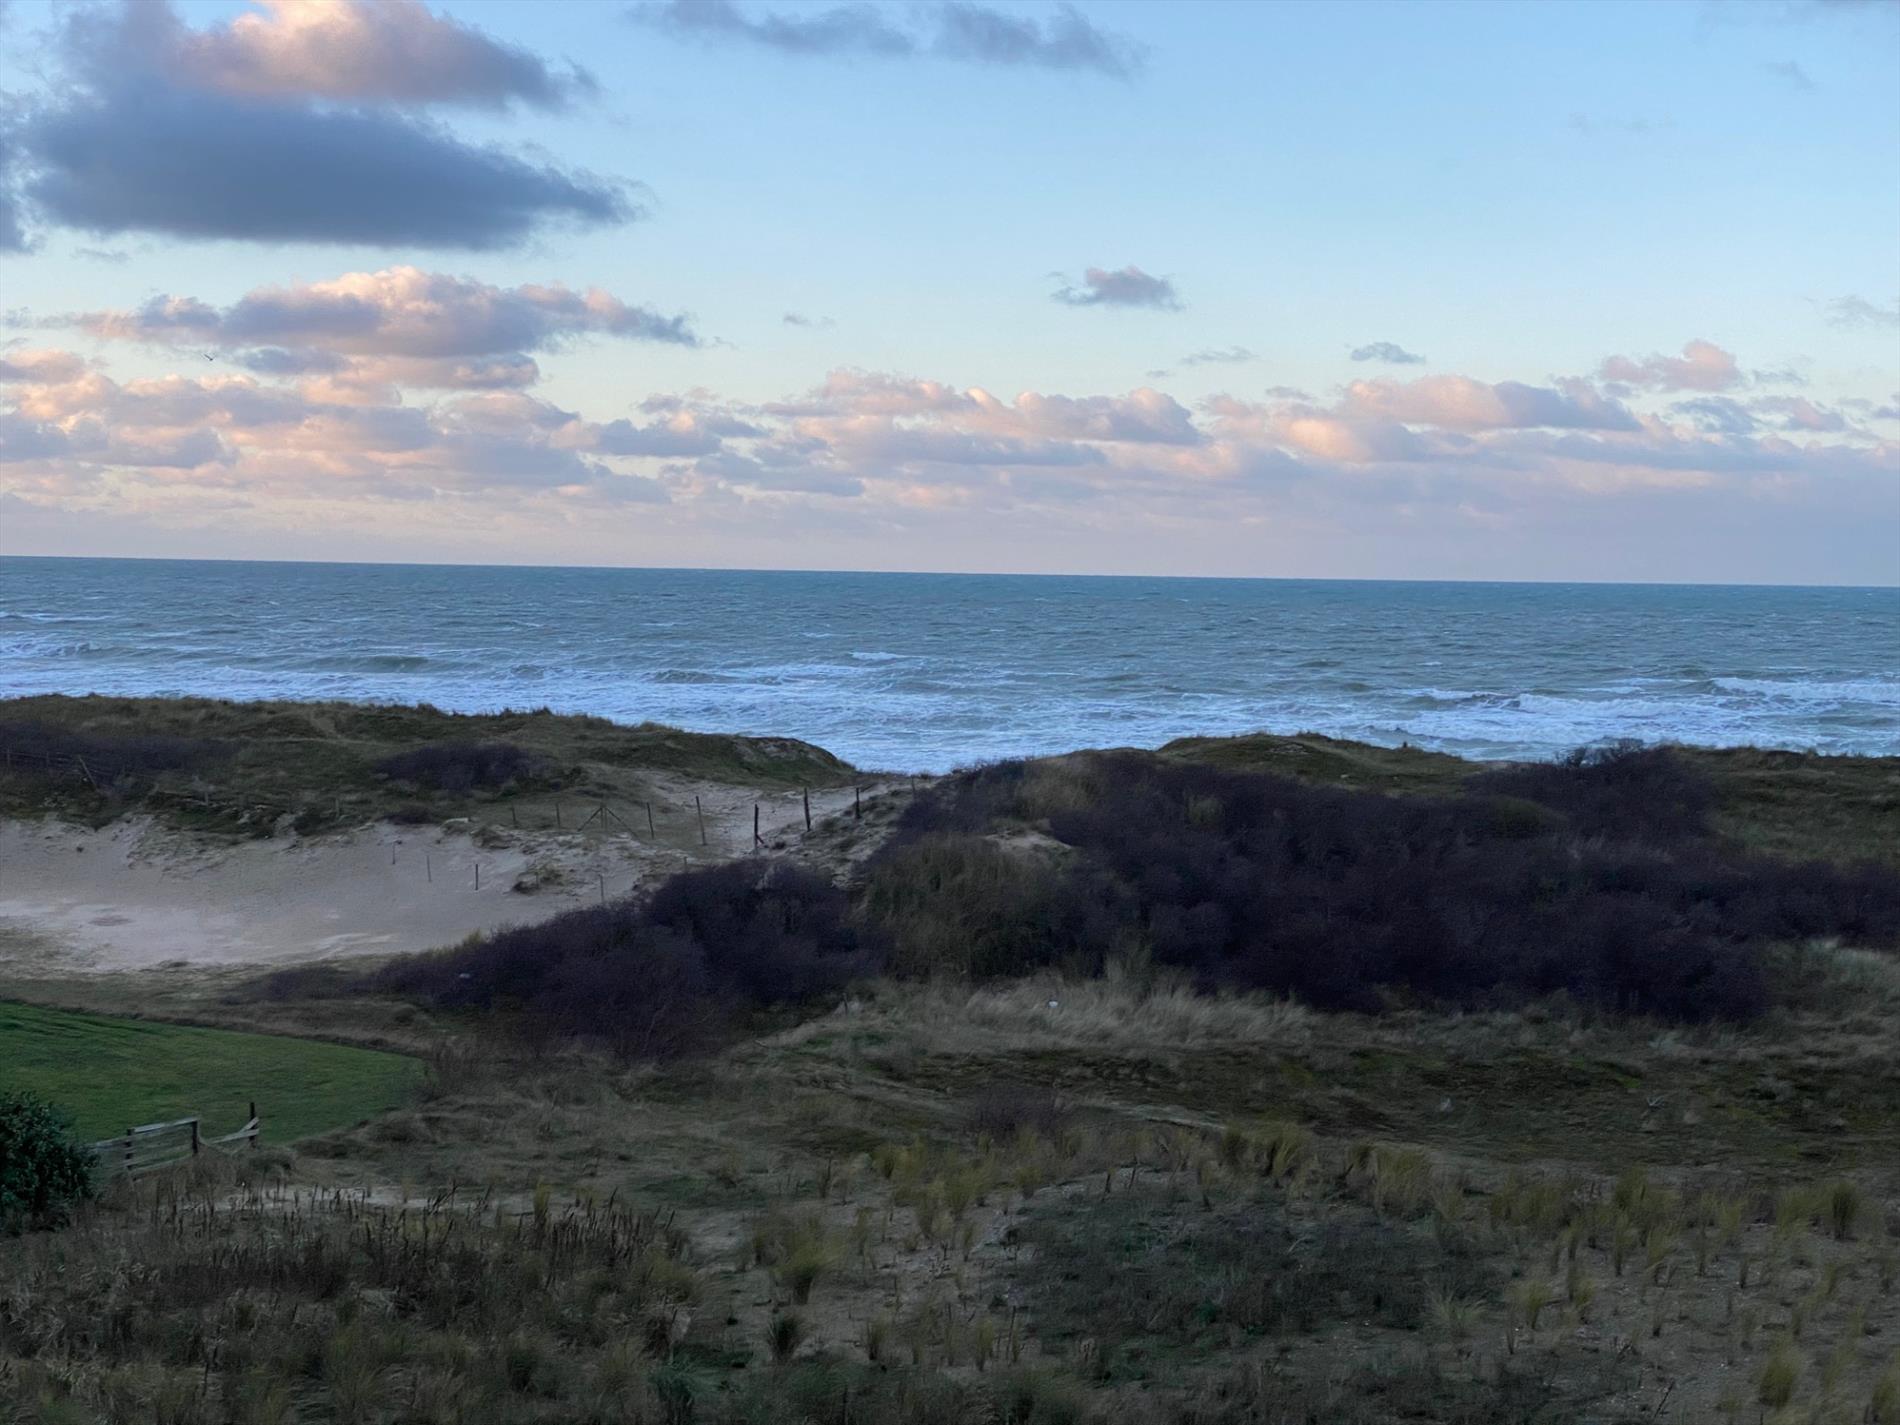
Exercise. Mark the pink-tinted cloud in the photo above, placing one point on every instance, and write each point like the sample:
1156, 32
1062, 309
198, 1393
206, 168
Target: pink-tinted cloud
1461, 403
877, 447
1703, 366
390, 51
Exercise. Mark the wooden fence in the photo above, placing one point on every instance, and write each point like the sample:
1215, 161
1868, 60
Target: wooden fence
164, 1145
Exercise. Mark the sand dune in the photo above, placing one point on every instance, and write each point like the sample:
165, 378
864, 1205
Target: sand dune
136, 894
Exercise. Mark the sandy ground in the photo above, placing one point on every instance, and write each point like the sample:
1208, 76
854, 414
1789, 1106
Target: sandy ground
136, 895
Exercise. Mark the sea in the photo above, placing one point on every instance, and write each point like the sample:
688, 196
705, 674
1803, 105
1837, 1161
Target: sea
925, 672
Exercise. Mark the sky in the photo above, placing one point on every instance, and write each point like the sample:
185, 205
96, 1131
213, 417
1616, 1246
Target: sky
1592, 291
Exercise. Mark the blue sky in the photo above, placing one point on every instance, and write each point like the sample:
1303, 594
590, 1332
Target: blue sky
1523, 196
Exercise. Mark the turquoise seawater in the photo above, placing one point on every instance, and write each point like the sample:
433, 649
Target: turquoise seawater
924, 672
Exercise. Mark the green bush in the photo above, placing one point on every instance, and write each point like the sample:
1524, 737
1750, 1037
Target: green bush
44, 1170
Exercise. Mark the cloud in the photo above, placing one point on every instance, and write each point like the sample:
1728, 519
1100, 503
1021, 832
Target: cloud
1129, 287
1589, 124
351, 51
799, 319
959, 31
1860, 314
1220, 356
1790, 73
1703, 366
401, 312
1459, 403
209, 148
207, 166
1209, 356
1389, 352
902, 454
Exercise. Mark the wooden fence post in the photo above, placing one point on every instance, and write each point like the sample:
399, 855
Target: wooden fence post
128, 1152
428, 867
650, 831
557, 812
478, 875
194, 1137
701, 811
807, 792
757, 840
857, 803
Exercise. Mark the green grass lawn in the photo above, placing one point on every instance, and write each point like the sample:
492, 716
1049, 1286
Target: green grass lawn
110, 1074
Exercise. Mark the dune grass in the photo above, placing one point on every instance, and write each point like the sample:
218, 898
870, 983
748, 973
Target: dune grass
217, 766
111, 1074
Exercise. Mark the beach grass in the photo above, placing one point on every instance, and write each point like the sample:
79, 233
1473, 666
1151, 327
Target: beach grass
210, 765
111, 1074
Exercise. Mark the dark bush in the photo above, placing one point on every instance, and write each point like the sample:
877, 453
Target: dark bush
964, 906
460, 766
44, 1171
656, 977
1623, 793
35, 746
1610, 890
1002, 1111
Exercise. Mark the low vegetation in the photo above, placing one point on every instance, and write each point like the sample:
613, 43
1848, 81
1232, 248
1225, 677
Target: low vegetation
1373, 1089
251, 768
45, 1172
652, 977
1600, 878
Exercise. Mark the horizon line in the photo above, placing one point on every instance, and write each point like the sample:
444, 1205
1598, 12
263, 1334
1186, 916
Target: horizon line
937, 573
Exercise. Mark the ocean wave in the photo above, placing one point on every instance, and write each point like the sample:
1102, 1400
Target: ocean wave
1880, 691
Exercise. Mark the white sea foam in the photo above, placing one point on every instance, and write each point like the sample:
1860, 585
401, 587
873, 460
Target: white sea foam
927, 672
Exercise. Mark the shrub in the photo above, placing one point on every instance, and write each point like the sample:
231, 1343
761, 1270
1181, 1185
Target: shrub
1001, 1112
44, 1171
961, 905
1355, 899
652, 978
108, 756
1625, 792
459, 766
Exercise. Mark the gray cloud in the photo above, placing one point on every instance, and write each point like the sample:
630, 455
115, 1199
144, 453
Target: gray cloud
960, 31
1209, 356
1389, 352
12, 234
400, 311
1790, 73
209, 166
1220, 356
1128, 287
1858, 312
222, 134
799, 319
151, 159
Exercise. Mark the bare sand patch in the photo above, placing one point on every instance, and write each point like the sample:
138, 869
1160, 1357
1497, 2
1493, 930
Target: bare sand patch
137, 894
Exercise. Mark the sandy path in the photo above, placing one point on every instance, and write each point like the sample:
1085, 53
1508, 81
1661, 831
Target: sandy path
136, 895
